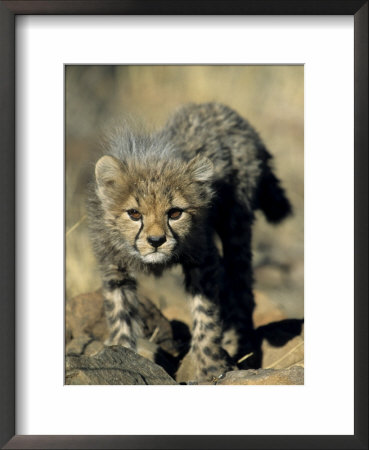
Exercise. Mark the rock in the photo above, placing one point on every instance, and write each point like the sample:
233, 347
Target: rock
147, 349
85, 321
291, 376
85, 316
114, 365
93, 347
78, 345
156, 354
186, 370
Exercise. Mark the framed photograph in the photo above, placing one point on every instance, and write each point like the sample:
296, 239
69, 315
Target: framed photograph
282, 90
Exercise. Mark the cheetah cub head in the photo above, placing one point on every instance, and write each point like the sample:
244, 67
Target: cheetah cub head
153, 205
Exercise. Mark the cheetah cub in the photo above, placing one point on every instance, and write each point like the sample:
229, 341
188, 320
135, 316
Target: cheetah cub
159, 199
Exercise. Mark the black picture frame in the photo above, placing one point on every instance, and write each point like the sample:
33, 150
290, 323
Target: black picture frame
8, 12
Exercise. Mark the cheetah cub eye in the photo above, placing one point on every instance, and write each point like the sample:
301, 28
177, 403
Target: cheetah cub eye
175, 213
134, 214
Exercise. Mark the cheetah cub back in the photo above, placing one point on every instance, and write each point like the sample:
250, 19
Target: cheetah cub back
158, 200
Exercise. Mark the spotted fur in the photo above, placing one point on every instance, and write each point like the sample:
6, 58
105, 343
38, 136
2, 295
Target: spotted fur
158, 200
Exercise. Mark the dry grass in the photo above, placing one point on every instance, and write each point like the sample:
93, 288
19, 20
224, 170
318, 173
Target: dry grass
286, 355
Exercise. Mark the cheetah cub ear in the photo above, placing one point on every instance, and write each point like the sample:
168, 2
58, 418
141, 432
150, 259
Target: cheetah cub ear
110, 180
201, 169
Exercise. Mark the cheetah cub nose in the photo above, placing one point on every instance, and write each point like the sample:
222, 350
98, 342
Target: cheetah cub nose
156, 241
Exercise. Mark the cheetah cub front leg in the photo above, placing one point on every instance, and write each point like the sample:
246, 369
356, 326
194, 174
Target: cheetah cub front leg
210, 358
121, 309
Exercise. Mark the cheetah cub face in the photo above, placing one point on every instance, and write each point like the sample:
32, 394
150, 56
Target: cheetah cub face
153, 208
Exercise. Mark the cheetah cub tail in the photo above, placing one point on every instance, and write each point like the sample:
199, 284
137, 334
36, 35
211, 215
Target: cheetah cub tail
271, 197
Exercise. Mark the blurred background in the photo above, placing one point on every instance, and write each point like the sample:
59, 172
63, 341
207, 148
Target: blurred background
270, 97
